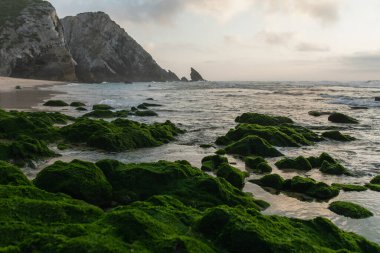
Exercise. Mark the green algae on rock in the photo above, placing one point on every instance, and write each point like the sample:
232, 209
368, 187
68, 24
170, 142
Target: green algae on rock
262, 119
212, 163
350, 187
299, 163
81, 109
274, 181
12, 175
349, 209
334, 169
100, 114
373, 187
81, 180
77, 104
102, 107
56, 103
337, 136
145, 113
252, 145
257, 164
337, 117
375, 180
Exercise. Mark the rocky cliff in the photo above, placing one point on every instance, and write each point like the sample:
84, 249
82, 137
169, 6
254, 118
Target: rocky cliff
195, 76
32, 42
103, 51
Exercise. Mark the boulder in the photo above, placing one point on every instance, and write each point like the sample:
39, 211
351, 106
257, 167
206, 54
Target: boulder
349, 209
195, 76
337, 117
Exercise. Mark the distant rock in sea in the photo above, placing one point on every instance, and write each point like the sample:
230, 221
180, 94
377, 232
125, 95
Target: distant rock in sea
184, 79
195, 76
32, 42
104, 51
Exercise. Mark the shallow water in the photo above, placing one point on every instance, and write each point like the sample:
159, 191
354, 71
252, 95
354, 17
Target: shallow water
208, 110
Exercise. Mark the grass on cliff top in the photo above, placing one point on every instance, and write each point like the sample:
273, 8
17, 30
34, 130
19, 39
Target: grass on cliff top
10, 9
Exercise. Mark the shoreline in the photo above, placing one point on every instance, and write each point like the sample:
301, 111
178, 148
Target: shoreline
28, 95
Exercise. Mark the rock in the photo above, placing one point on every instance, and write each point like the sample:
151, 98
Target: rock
377, 99
318, 113
81, 109
359, 107
337, 117
252, 145
32, 43
349, 209
81, 180
232, 175
337, 136
373, 187
212, 163
77, 104
102, 107
263, 119
350, 187
56, 103
11, 175
334, 169
376, 180
274, 181
104, 52
299, 163
184, 79
100, 114
146, 113
195, 76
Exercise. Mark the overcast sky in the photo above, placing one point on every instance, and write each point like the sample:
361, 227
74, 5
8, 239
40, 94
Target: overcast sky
251, 39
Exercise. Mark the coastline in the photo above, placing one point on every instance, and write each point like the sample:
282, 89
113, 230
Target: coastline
27, 96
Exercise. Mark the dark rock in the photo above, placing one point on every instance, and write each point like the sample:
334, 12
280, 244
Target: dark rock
337, 117
11, 175
102, 107
146, 113
104, 52
77, 104
184, 79
337, 136
318, 113
81, 109
377, 99
56, 103
334, 169
350, 187
349, 209
273, 181
258, 164
358, 107
299, 163
252, 145
262, 119
195, 76
376, 180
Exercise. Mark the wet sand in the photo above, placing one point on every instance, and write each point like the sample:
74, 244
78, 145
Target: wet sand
27, 96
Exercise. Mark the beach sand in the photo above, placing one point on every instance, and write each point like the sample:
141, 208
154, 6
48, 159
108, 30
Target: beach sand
29, 95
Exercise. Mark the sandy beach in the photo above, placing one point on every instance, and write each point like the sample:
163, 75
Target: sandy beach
26, 96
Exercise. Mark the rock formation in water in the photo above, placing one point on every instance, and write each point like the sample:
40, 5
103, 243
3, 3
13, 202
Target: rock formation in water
184, 79
195, 76
105, 52
32, 42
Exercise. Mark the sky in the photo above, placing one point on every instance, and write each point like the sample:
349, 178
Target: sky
251, 40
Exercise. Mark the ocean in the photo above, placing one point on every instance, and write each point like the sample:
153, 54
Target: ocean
206, 110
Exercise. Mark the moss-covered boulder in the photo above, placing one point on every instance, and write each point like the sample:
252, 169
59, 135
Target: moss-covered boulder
373, 187
233, 175
334, 169
337, 136
77, 104
316, 162
274, 181
11, 175
262, 119
56, 103
81, 109
102, 107
213, 162
299, 163
146, 113
252, 145
349, 209
318, 113
350, 187
375, 180
257, 164
81, 180
337, 117
100, 114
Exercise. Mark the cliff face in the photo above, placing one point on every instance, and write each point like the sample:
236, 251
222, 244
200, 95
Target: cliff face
103, 51
32, 42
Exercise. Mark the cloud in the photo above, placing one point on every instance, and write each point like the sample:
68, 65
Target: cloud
363, 60
276, 38
310, 47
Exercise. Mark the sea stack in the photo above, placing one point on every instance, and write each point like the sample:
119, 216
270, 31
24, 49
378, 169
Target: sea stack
104, 52
195, 76
32, 42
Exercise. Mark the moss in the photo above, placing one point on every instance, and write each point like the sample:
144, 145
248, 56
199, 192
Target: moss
318, 113
350, 187
274, 181
262, 119
349, 209
212, 163
205, 146
102, 107
81, 109
252, 145
375, 180
77, 104
316, 162
338, 136
373, 187
146, 113
258, 164
337, 117
299, 163
334, 169
81, 180
11, 175
62, 146
120, 134
56, 103
233, 175
100, 114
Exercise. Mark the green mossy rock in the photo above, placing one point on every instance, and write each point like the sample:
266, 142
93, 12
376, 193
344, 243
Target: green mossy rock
11, 175
142, 107
318, 113
233, 175
299, 163
56, 103
316, 162
373, 187
337, 117
262, 119
253, 161
81, 180
245, 230
77, 104
102, 107
349, 209
274, 181
350, 187
337, 136
334, 169
212, 163
100, 114
120, 134
146, 113
252, 145
263, 168
81, 109
132, 182
375, 180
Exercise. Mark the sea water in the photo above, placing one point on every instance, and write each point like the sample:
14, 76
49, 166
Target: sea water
207, 110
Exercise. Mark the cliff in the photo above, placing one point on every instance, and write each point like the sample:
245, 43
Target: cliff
104, 51
32, 42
